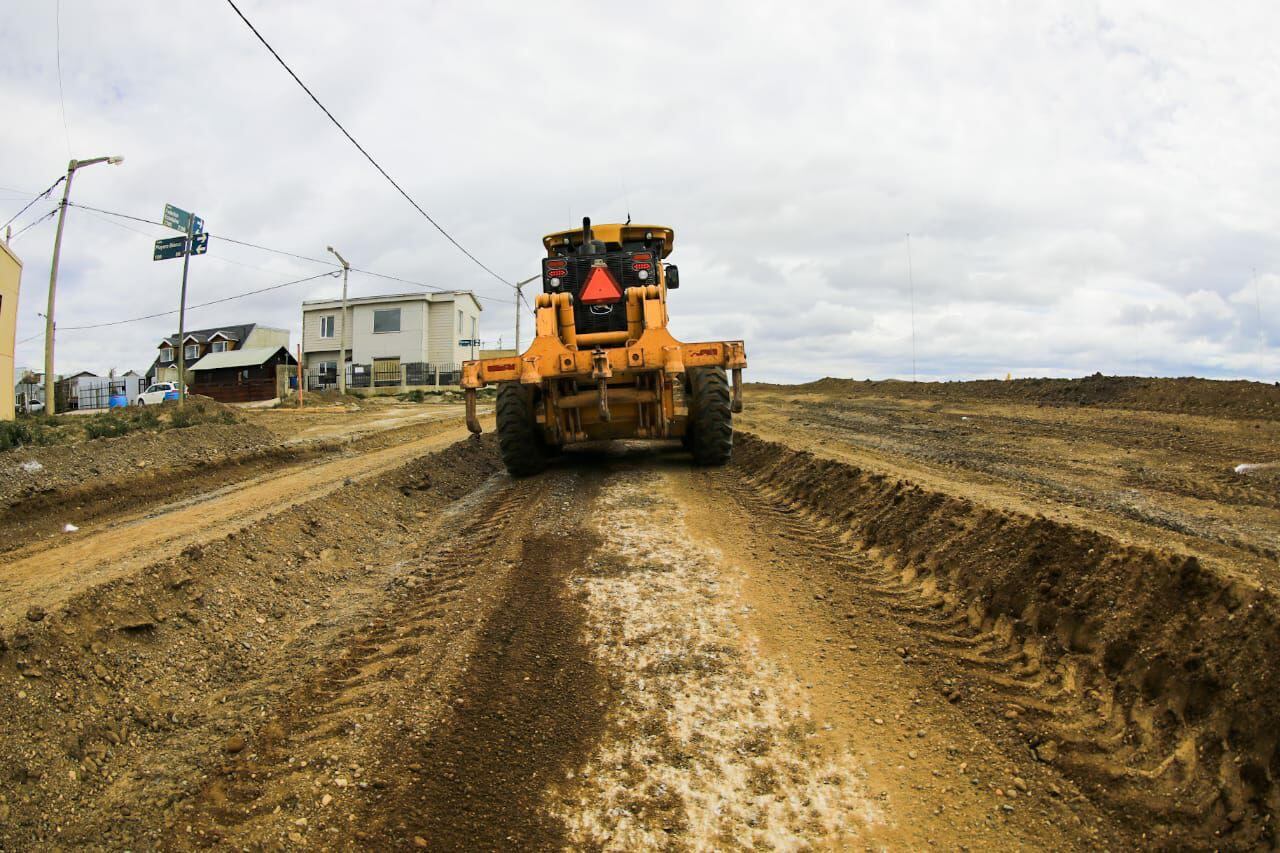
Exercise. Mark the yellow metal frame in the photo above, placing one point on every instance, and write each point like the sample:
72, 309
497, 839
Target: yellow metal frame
633, 371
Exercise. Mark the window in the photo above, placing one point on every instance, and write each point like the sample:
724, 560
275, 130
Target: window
191, 351
386, 320
473, 328
459, 322
166, 354
219, 346
328, 368
326, 326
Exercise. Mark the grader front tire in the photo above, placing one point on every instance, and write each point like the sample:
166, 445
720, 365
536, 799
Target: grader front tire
710, 416
519, 441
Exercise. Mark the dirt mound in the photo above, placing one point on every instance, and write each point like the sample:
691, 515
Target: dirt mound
1155, 678
33, 470
127, 701
1233, 398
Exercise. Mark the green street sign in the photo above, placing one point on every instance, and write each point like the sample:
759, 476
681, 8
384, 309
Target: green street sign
176, 218
176, 247
170, 247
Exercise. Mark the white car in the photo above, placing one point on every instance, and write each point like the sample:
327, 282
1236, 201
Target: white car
158, 393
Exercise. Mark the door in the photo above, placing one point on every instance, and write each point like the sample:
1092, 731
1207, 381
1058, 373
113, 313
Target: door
386, 371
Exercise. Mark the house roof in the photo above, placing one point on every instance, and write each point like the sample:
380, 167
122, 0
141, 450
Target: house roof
240, 332
252, 357
438, 296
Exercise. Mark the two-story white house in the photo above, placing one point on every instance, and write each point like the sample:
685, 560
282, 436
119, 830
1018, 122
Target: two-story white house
384, 332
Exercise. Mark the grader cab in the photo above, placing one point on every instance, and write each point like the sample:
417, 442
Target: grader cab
602, 364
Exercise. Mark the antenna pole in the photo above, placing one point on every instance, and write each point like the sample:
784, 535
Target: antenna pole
911, 281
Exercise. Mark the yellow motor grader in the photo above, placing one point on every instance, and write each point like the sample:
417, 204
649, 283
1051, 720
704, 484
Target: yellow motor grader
602, 364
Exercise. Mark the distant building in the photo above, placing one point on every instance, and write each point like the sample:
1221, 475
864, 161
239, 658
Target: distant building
28, 390
240, 375
198, 343
386, 332
10, 278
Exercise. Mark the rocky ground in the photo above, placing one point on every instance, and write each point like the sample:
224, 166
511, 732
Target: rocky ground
894, 622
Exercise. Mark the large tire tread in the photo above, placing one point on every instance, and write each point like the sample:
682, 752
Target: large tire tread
710, 416
519, 443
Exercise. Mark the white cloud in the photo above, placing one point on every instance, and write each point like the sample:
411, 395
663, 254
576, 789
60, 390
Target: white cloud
1088, 187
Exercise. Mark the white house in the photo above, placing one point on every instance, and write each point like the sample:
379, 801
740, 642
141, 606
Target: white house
385, 332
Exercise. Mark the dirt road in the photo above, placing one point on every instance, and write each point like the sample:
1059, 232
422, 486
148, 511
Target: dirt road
405, 649
574, 660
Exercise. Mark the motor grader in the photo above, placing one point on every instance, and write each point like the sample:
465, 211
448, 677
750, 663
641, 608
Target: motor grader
602, 364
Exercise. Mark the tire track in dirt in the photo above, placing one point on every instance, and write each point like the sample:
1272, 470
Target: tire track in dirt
441, 722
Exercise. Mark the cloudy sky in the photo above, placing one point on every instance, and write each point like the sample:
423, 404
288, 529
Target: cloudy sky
1087, 186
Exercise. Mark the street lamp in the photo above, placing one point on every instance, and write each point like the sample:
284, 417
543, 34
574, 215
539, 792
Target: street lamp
342, 332
50, 405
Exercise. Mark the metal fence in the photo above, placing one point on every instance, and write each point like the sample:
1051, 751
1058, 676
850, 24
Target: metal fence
415, 374
96, 395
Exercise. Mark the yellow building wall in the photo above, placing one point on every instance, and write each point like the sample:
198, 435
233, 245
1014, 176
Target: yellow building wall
10, 276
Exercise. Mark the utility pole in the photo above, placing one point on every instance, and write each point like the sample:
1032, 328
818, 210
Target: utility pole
519, 300
49, 403
342, 332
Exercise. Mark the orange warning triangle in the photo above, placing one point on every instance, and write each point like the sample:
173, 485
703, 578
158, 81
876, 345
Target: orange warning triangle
600, 287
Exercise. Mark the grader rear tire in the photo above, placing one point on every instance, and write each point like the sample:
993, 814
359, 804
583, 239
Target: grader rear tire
710, 418
519, 441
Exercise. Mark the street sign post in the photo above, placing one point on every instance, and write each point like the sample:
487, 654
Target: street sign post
194, 241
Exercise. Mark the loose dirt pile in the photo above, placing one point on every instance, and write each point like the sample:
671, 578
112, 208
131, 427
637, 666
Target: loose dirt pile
124, 705
30, 471
1189, 395
1149, 675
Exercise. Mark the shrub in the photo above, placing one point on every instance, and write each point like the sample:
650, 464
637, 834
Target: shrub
106, 426
120, 422
201, 413
14, 434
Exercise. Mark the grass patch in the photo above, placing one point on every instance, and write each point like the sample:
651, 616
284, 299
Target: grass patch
42, 430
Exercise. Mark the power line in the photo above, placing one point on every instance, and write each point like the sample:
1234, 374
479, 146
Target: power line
61, 97
360, 148
427, 286
32, 224
44, 194
282, 252
201, 305
268, 249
